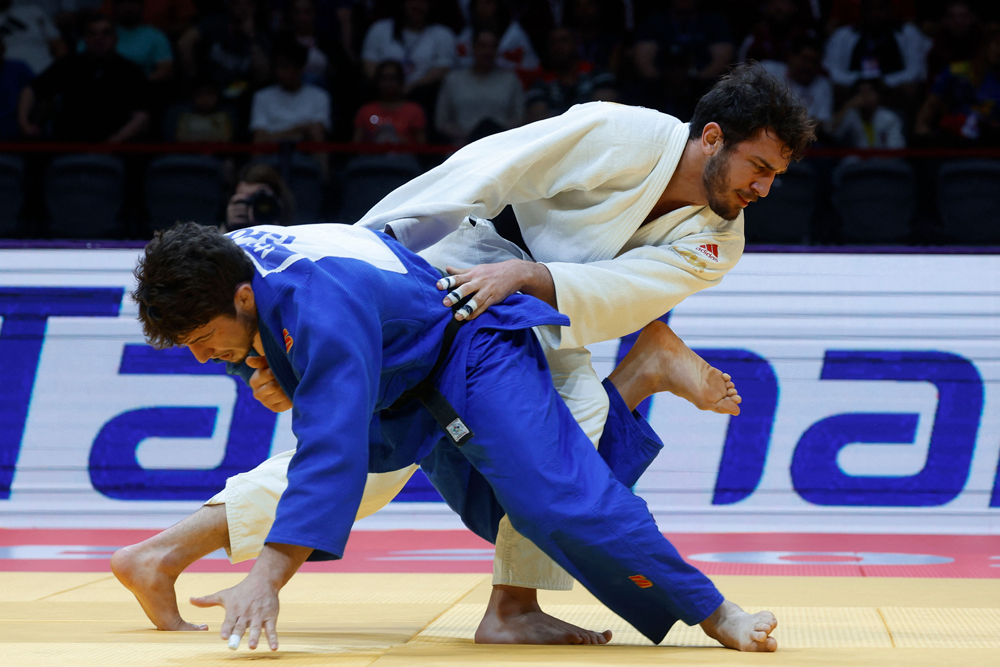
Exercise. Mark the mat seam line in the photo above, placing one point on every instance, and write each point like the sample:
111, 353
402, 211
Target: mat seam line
96, 581
431, 622
886, 624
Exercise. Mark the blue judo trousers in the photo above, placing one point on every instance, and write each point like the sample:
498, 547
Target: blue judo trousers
350, 321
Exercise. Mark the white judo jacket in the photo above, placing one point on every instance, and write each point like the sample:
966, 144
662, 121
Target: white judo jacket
580, 185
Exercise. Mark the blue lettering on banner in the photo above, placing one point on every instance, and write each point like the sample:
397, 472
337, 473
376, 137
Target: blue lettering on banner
114, 468
816, 475
748, 437
25, 312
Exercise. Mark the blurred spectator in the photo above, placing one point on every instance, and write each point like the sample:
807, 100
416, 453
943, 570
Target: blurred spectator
14, 76
231, 47
881, 46
803, 74
964, 103
684, 34
864, 123
480, 100
956, 39
514, 50
566, 80
390, 119
204, 118
848, 12
538, 18
171, 16
771, 38
290, 110
599, 25
62, 12
301, 23
30, 35
144, 45
262, 198
426, 51
103, 96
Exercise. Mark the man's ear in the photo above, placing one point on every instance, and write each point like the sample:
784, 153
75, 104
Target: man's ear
244, 300
712, 139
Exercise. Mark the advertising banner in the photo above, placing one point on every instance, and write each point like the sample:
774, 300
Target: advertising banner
871, 387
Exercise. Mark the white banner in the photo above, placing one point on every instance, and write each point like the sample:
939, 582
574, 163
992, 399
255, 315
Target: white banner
871, 388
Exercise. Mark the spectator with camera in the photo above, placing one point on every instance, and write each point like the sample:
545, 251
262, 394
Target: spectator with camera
262, 198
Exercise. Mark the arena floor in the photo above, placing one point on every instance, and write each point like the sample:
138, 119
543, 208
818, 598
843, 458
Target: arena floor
833, 608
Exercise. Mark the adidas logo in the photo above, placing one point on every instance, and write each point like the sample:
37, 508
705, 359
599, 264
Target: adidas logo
710, 250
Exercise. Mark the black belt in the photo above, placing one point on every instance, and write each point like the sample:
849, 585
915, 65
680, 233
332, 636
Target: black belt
427, 392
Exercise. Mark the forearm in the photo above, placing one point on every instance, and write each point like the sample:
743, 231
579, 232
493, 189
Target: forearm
278, 562
135, 126
537, 282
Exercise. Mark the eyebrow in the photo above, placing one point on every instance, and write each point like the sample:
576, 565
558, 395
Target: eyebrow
199, 338
767, 165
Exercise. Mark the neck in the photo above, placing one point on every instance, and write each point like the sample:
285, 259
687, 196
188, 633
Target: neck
686, 187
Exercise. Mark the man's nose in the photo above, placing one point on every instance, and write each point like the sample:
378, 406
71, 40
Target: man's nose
200, 352
762, 186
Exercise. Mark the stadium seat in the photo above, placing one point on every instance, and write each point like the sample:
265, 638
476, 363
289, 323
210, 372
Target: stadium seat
876, 200
369, 178
11, 192
183, 188
785, 215
306, 182
84, 195
969, 200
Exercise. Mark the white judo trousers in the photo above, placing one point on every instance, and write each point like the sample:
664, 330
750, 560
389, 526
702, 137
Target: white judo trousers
251, 498
581, 186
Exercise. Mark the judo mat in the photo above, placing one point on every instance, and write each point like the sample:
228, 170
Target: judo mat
832, 608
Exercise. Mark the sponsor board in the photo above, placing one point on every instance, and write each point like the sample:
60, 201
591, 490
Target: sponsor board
871, 388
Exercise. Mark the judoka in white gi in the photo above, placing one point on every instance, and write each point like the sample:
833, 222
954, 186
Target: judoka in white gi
626, 212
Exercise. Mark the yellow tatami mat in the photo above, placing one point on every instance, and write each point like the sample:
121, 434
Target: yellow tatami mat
413, 620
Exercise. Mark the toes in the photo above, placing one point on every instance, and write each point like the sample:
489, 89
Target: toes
606, 635
771, 645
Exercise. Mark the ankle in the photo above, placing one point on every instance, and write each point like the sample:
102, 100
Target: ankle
513, 600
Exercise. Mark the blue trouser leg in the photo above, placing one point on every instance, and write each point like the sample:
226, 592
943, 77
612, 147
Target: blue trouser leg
628, 445
560, 494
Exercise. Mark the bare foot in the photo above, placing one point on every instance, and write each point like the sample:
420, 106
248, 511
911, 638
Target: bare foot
514, 617
734, 628
143, 571
660, 361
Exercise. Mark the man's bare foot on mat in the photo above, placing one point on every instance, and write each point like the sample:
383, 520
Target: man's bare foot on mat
734, 628
514, 617
144, 572
660, 361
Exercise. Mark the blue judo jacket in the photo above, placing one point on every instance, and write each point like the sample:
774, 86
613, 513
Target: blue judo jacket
349, 320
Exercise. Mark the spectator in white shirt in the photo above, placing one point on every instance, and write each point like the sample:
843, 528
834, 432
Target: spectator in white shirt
803, 74
864, 123
480, 100
290, 110
880, 47
514, 50
426, 50
30, 35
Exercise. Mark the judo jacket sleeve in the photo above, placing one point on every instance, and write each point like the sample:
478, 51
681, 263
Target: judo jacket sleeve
638, 286
334, 346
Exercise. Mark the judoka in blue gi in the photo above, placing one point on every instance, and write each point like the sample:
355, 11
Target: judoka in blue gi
346, 318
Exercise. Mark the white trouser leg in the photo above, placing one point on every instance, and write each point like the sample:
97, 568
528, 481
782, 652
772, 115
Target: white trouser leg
518, 562
251, 500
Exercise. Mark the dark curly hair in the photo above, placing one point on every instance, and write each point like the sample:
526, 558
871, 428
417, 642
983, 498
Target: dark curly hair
749, 99
187, 276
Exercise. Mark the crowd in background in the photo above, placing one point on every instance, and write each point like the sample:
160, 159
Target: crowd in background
874, 73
